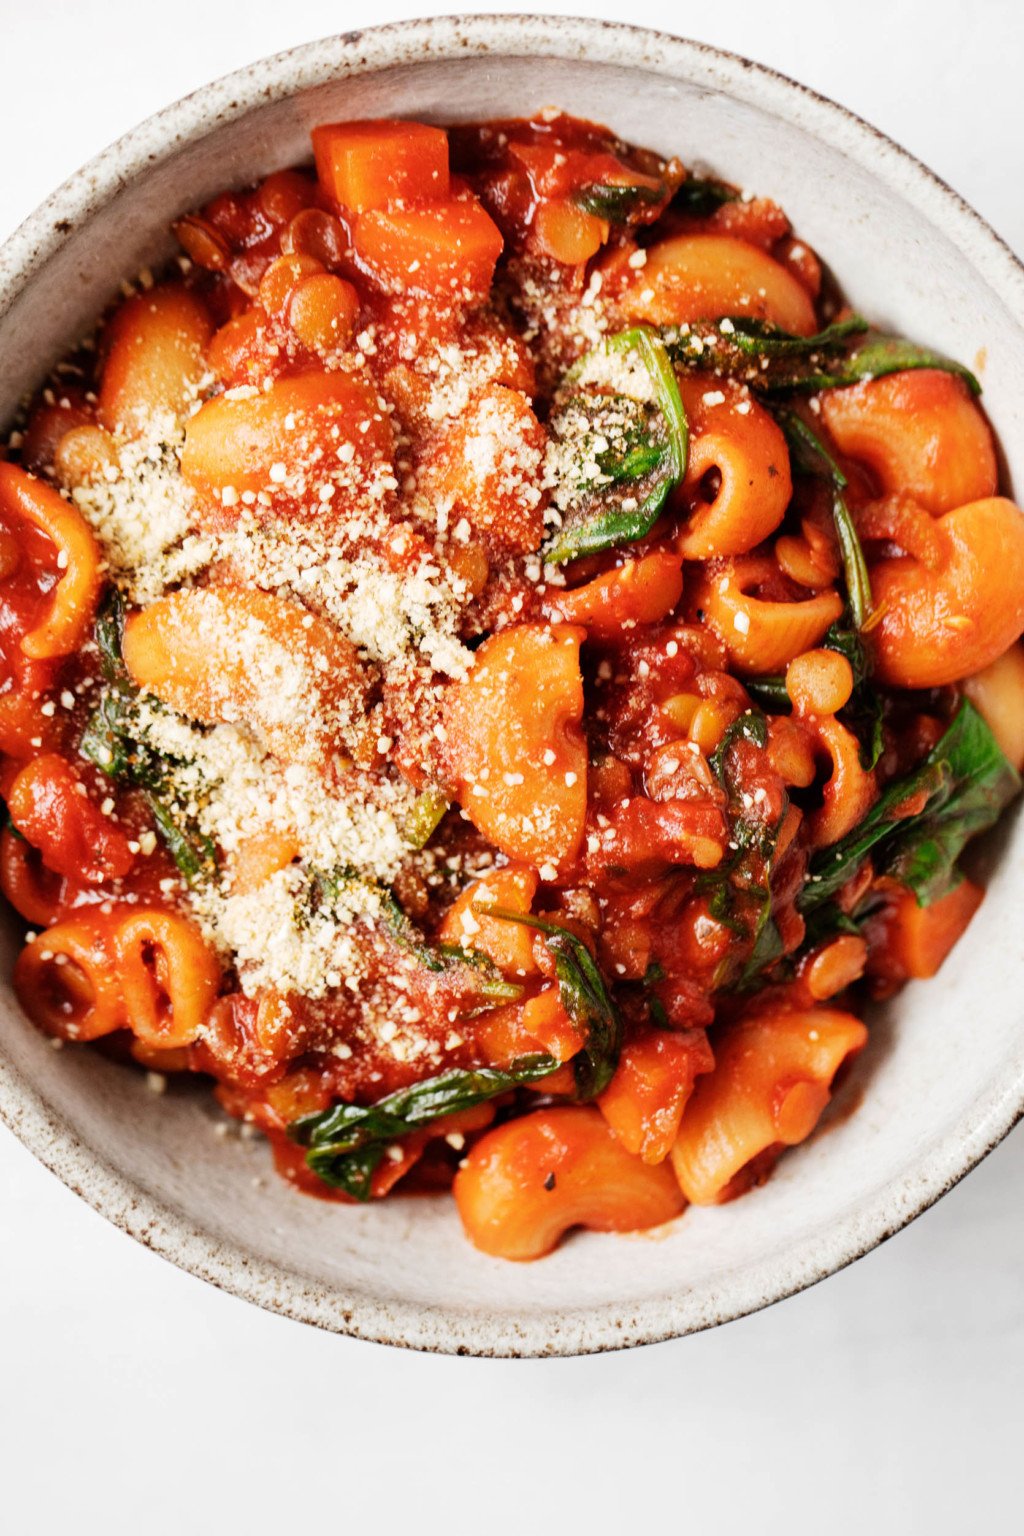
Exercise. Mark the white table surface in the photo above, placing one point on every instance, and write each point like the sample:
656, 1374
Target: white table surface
135, 1398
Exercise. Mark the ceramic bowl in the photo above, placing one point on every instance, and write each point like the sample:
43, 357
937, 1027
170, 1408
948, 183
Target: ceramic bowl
943, 1078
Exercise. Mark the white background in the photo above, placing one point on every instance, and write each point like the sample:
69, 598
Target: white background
134, 1398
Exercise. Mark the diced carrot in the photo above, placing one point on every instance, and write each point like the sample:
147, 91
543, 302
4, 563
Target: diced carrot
489, 465
546, 1020
445, 249
907, 941
509, 945
540, 1024
369, 164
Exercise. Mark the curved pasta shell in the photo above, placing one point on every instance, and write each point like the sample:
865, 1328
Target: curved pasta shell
155, 348
47, 804
73, 601
759, 636
240, 656
515, 745
32, 890
737, 438
771, 1081
850, 790
921, 434
169, 976
703, 277
940, 624
66, 980
639, 591
314, 441
644, 1102
526, 1183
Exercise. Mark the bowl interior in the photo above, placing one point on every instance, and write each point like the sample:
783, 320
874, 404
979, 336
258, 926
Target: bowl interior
942, 1077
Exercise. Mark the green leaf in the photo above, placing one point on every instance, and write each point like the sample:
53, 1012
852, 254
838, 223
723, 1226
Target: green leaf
192, 851
750, 726
759, 339
347, 1142
638, 471
770, 360
741, 895
768, 947
109, 635
864, 713
327, 887
110, 741
617, 202
585, 998
700, 196
881, 355
849, 644
811, 456
106, 740
968, 783
351, 1171
648, 346
769, 691
773, 361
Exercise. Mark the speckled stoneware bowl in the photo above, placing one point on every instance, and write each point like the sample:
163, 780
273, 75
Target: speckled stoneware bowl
943, 1077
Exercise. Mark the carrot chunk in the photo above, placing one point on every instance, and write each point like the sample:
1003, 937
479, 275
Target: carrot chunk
382, 160
444, 249
907, 941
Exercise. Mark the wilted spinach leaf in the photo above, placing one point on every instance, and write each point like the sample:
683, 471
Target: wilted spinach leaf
639, 449
111, 741
347, 1143
585, 997
812, 457
967, 783
617, 202
774, 361
700, 196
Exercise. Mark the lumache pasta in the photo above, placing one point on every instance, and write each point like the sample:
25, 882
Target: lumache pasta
500, 665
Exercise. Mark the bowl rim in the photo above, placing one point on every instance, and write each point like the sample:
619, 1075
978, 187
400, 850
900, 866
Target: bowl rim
149, 1220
